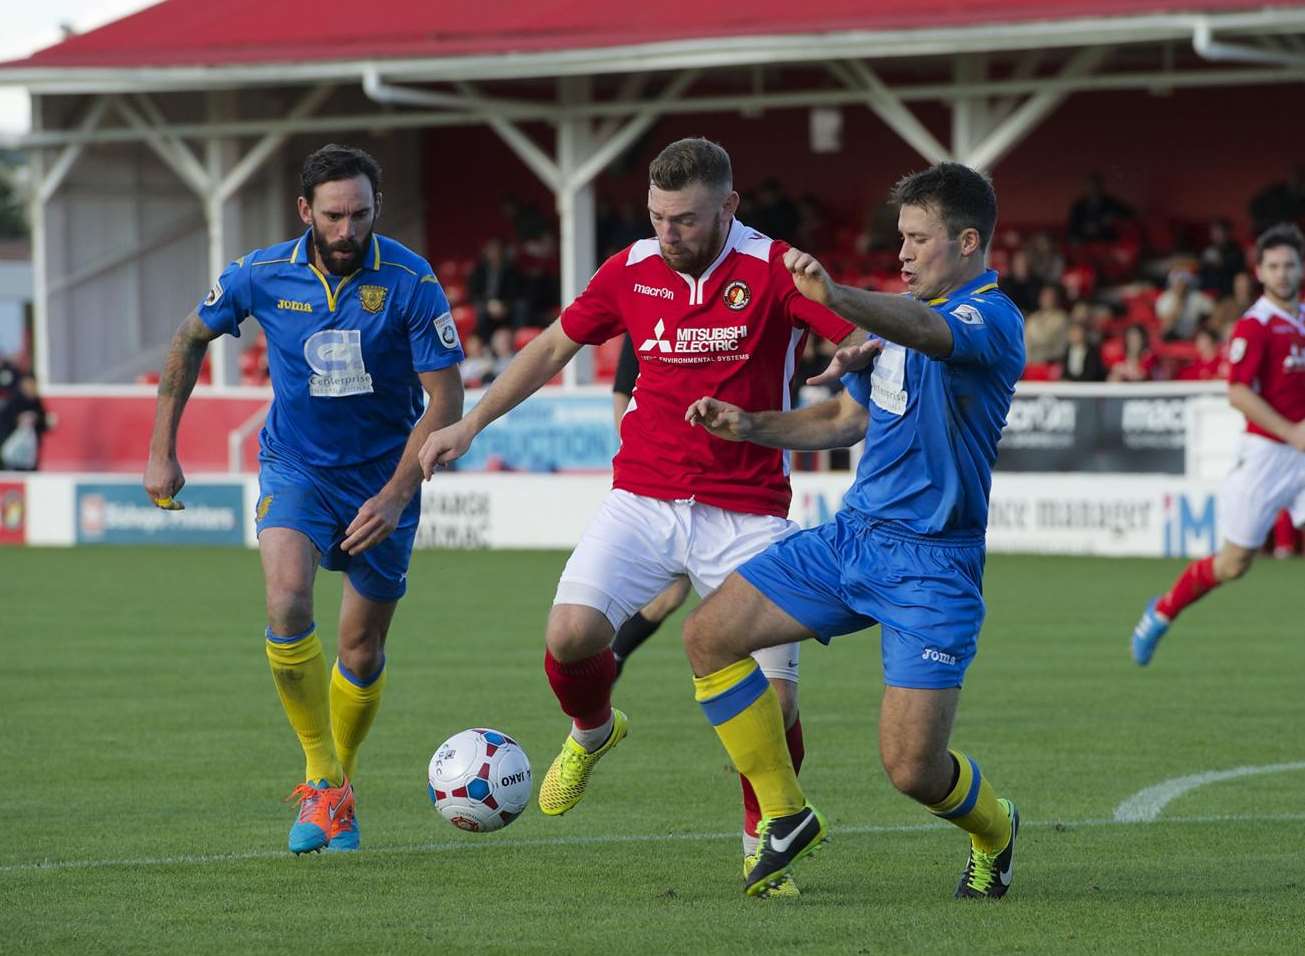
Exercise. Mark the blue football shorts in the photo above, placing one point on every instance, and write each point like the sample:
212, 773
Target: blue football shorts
321, 502
849, 574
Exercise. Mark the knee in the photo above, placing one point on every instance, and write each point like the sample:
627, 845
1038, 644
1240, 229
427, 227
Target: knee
914, 776
289, 607
698, 635
575, 633
364, 658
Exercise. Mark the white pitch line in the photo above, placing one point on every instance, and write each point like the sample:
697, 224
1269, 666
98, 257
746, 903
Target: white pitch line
1145, 806
491, 844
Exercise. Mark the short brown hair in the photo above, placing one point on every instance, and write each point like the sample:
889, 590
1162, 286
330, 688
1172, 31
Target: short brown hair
963, 198
1283, 234
693, 160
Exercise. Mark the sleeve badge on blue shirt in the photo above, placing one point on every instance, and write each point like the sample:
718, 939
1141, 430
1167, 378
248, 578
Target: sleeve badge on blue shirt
214, 294
968, 314
372, 297
447, 330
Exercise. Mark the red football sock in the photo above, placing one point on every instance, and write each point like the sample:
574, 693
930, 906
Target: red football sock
751, 808
583, 687
1193, 584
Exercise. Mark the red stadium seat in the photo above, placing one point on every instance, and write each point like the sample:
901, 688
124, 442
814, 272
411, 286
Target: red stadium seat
147, 378
1041, 372
456, 291
1112, 351
464, 318
524, 337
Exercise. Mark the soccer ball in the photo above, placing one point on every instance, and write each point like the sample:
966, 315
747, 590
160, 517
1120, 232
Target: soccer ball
479, 780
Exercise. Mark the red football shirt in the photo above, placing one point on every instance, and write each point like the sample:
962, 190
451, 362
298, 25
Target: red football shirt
1267, 352
733, 333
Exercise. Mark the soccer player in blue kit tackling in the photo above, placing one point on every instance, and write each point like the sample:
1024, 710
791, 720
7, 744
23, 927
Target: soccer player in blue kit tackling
907, 549
357, 327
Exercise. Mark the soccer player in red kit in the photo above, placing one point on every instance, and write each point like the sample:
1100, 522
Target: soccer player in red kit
1266, 383
711, 310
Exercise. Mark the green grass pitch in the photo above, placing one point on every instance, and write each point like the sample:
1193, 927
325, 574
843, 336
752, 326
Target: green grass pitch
144, 756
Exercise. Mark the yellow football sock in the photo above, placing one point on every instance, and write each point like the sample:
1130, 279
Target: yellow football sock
972, 805
299, 672
742, 706
354, 704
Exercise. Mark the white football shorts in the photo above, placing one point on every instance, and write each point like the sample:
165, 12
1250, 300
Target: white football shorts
1268, 477
635, 545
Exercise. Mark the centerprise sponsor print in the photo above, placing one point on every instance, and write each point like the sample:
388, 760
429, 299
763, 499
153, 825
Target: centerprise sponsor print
1095, 433
121, 513
13, 512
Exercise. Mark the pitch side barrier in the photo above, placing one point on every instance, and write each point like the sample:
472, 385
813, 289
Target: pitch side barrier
1083, 469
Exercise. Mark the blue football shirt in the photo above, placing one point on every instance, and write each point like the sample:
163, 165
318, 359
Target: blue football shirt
343, 351
934, 423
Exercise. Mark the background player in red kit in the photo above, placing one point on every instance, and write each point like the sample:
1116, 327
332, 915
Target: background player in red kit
1266, 383
711, 310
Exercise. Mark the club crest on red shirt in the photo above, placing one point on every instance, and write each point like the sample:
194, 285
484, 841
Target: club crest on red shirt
737, 295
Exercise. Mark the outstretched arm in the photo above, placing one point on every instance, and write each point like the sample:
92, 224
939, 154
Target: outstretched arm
163, 475
897, 318
379, 515
545, 356
834, 423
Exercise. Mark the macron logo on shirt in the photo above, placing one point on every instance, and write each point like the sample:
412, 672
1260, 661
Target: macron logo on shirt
653, 291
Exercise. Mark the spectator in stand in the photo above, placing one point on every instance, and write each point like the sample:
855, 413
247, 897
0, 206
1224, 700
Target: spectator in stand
1279, 202
777, 216
814, 229
1095, 215
1232, 307
500, 352
1210, 363
1221, 260
496, 290
528, 223
1046, 329
1138, 364
1082, 359
618, 226
879, 234
23, 423
1182, 308
1020, 283
478, 367
1045, 260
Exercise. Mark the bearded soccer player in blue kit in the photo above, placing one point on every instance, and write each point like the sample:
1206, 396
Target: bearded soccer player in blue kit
907, 549
357, 327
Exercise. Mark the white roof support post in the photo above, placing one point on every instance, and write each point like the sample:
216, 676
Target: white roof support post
575, 208
266, 147
969, 113
173, 152
1033, 111
40, 261
222, 221
55, 175
890, 109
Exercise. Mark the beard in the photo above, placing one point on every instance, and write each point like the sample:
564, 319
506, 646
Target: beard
696, 263
341, 265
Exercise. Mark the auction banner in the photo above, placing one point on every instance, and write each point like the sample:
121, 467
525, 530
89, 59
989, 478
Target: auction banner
546, 433
120, 513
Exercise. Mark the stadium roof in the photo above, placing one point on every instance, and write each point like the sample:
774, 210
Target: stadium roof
457, 39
